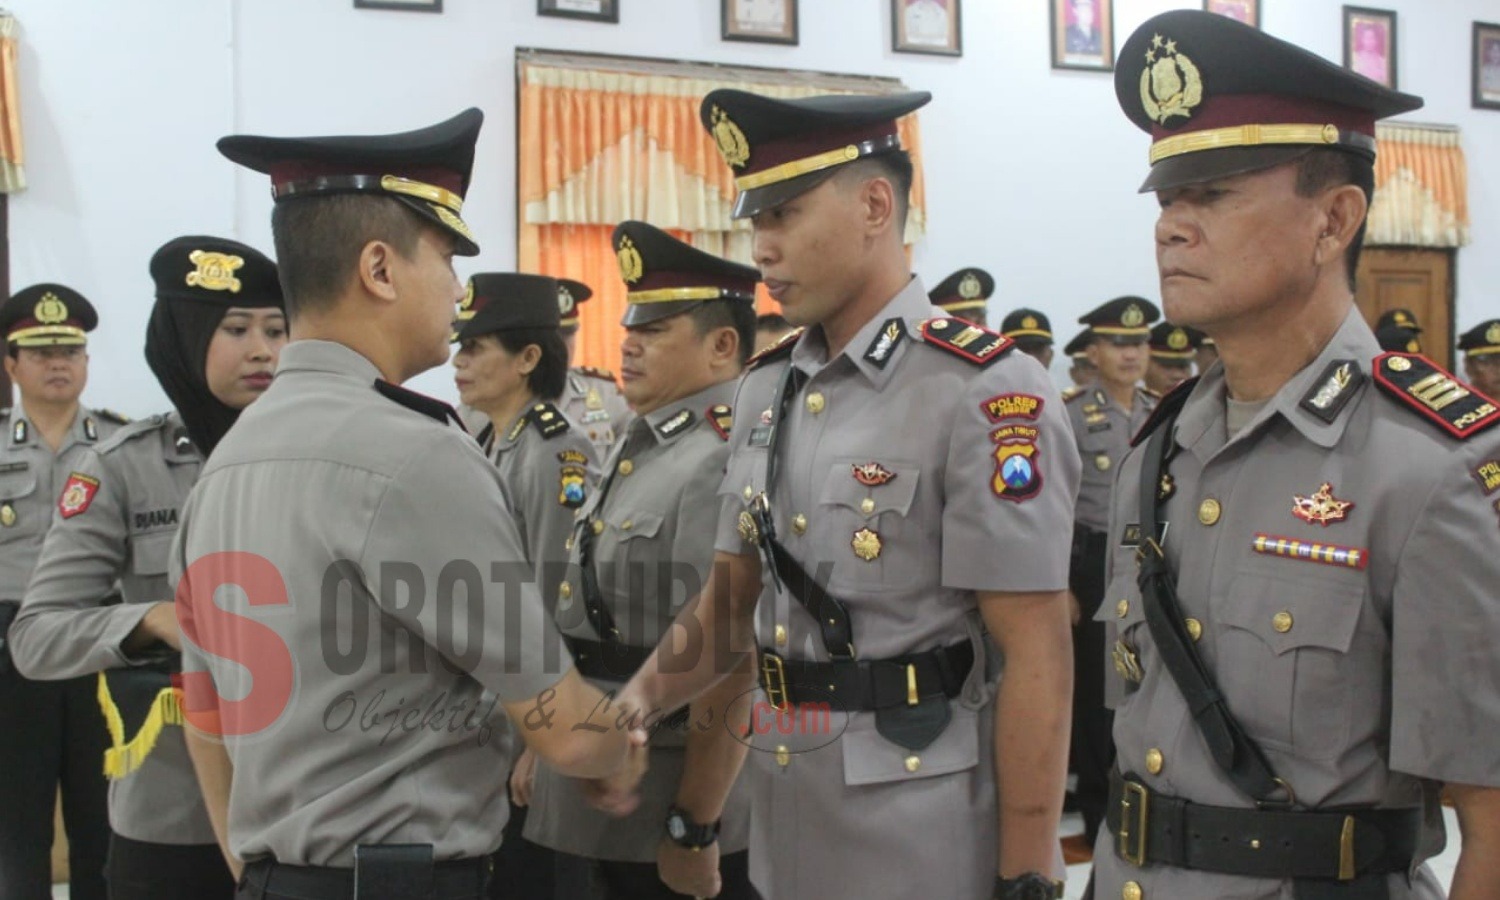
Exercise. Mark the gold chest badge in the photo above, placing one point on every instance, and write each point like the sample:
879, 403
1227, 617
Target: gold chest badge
866, 545
215, 271
1171, 84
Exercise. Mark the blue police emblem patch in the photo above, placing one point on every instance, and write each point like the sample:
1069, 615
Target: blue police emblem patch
571, 493
1018, 475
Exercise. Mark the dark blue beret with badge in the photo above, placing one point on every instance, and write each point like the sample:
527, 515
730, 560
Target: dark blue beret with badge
1221, 98
47, 315
506, 301
779, 148
426, 170
665, 277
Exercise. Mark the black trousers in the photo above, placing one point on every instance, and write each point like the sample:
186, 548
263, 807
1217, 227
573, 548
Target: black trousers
527, 871
51, 736
640, 881
1092, 754
143, 871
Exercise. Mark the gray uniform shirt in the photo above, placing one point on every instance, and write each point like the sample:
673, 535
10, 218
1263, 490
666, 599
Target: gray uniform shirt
904, 486
652, 554
376, 602
593, 400
1103, 430
142, 475
31, 477
1364, 686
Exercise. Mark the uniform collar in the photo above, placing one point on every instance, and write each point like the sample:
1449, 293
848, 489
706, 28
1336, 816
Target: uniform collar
1353, 342
326, 356
674, 420
21, 432
911, 305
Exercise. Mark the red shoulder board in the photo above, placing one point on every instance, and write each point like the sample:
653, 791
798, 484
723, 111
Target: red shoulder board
776, 351
720, 417
1435, 394
1170, 403
979, 346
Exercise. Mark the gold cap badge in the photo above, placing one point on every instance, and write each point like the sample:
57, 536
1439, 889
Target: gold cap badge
1133, 316
1030, 322
50, 310
632, 267
1170, 84
1177, 340
969, 288
733, 145
1492, 334
215, 271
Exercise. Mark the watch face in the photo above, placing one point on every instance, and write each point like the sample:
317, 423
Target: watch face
676, 827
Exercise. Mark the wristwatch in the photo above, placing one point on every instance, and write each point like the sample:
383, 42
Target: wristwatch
684, 832
1030, 886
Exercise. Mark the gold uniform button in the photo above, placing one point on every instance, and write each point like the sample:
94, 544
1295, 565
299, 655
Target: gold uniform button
913, 763
1282, 622
867, 506
627, 525
1155, 761
781, 635
1122, 609
799, 523
815, 403
568, 544
626, 467
1132, 891
1209, 511
565, 591
1194, 629
598, 526
783, 756
749, 492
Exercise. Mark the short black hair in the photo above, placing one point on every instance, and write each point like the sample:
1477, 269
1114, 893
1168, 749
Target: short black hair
319, 239
772, 322
735, 314
894, 166
550, 376
1323, 168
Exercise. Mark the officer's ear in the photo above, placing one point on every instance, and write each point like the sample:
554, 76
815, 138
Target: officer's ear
374, 270
726, 345
1344, 209
10, 367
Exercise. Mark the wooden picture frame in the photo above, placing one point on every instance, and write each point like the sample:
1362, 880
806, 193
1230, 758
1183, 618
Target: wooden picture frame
759, 21
430, 6
1370, 43
590, 10
1083, 35
1486, 65
1247, 11
932, 27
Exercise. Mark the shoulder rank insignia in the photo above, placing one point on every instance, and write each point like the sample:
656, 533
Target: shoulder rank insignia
1167, 408
1421, 385
721, 417
676, 424
19, 432
593, 372
1333, 390
112, 417
890, 336
776, 351
427, 406
90, 428
1153, 395
970, 342
548, 420
1073, 393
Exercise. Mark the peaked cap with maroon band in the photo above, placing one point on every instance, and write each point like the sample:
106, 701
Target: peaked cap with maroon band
664, 276
1221, 98
427, 169
47, 315
779, 149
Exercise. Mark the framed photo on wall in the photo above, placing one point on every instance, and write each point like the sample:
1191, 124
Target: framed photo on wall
761, 21
593, 10
1083, 34
1370, 43
433, 6
1247, 11
1487, 65
927, 26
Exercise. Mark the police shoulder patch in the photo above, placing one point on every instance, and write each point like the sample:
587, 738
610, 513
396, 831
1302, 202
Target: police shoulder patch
721, 417
548, 419
1167, 408
971, 343
1435, 394
776, 351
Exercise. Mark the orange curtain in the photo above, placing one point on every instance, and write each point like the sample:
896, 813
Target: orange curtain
1421, 188
12, 154
599, 143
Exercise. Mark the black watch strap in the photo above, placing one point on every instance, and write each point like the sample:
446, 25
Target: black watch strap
684, 832
1030, 886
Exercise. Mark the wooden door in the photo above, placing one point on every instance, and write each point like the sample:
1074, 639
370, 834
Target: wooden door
1416, 279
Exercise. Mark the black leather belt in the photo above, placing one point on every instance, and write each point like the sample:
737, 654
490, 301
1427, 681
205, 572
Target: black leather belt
855, 685
1337, 845
462, 879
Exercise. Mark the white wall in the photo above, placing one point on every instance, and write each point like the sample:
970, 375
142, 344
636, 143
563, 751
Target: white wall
1031, 172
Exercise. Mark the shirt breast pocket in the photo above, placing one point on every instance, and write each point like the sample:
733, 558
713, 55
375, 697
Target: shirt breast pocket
639, 564
1284, 661
149, 553
17, 490
866, 507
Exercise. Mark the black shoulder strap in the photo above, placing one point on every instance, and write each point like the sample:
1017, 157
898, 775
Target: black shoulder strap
427, 406
1165, 412
548, 419
1232, 749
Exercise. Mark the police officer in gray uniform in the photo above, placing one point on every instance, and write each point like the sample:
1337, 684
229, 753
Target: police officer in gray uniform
1104, 418
643, 549
1173, 348
354, 600
52, 734
1080, 369
1304, 545
212, 342
897, 486
965, 294
591, 396
1032, 332
1481, 347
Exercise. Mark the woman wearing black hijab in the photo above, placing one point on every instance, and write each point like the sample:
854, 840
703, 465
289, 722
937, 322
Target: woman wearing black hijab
213, 339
